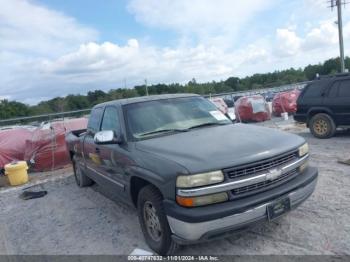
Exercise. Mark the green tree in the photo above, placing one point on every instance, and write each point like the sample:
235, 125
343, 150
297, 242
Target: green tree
10, 109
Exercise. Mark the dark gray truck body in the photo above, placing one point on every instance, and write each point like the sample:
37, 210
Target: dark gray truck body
125, 167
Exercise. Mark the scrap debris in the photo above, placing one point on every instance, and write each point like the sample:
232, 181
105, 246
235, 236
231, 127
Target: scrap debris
26, 195
345, 162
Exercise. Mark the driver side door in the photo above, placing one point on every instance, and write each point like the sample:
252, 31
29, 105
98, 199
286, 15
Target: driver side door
112, 155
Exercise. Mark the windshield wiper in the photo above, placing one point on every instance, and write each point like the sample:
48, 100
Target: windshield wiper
163, 131
208, 124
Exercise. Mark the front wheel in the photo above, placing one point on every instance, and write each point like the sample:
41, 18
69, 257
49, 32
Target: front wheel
322, 126
153, 221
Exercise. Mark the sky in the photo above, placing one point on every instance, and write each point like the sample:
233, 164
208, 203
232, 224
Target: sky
52, 48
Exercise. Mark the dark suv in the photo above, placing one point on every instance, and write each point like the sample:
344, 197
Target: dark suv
324, 105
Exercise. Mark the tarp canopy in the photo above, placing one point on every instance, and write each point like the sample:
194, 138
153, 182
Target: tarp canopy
285, 102
252, 109
220, 104
47, 148
44, 145
12, 143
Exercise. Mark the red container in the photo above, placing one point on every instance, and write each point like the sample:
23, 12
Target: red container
12, 144
285, 102
220, 104
47, 147
252, 109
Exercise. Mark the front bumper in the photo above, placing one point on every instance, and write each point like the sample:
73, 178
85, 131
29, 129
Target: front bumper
301, 118
186, 232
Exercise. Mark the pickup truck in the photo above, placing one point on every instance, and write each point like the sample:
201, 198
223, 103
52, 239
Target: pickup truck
192, 173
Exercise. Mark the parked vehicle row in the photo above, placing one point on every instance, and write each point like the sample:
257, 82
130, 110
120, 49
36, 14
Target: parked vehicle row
255, 108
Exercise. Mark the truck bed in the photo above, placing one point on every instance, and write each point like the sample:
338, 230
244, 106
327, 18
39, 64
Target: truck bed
73, 139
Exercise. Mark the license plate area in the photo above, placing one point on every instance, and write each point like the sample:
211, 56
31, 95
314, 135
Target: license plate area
278, 208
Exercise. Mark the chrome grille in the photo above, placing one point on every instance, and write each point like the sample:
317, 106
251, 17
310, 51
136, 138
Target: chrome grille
260, 185
260, 167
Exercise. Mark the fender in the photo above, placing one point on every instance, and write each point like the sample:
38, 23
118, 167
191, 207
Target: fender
319, 109
165, 186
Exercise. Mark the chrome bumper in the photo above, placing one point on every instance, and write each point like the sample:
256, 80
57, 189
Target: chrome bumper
192, 232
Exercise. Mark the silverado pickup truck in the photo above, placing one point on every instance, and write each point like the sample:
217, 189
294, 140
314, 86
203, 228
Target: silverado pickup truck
192, 174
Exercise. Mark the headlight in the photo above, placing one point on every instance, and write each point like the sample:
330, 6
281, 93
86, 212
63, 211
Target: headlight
303, 150
202, 200
200, 179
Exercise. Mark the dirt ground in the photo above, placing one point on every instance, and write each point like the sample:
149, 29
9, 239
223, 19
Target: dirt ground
71, 220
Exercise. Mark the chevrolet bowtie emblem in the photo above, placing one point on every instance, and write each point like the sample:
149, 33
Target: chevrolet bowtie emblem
273, 174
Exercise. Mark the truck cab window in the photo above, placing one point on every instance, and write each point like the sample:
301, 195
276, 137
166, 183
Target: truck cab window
94, 120
110, 119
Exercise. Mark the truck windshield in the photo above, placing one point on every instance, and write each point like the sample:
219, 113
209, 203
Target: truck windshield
168, 116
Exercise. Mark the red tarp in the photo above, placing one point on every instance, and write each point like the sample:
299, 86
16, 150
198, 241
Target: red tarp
47, 147
252, 109
220, 104
12, 144
285, 102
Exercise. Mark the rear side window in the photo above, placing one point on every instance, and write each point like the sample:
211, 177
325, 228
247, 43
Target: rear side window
110, 119
95, 119
314, 90
344, 89
333, 92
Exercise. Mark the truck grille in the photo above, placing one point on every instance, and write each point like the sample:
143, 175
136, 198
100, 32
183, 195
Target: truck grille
260, 167
264, 184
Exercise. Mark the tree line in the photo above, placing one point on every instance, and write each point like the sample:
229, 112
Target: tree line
10, 109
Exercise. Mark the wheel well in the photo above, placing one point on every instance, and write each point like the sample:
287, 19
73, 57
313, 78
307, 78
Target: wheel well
71, 154
315, 112
136, 184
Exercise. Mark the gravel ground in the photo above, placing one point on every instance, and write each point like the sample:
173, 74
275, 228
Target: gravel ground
70, 220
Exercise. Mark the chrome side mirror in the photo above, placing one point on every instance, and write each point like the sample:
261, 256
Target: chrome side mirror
105, 137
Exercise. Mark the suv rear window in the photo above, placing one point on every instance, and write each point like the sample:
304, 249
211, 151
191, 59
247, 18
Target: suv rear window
314, 90
333, 92
344, 89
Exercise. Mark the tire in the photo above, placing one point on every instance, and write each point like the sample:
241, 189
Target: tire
322, 126
152, 216
80, 178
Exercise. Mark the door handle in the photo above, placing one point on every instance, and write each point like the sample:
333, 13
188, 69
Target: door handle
97, 150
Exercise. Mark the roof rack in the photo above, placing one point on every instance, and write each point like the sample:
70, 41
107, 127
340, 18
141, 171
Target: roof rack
332, 76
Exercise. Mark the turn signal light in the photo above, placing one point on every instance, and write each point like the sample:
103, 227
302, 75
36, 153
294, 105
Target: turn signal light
202, 200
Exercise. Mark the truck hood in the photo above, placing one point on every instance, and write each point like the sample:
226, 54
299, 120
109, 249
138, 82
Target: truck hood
219, 147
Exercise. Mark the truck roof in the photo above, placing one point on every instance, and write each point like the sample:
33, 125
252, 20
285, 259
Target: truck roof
139, 99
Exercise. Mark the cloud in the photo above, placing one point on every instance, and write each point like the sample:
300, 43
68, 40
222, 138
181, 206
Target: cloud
30, 33
109, 62
45, 53
288, 43
53, 54
93, 57
320, 40
321, 37
214, 22
32, 28
108, 65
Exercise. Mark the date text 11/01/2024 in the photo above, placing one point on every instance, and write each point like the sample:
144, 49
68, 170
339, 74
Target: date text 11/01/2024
173, 258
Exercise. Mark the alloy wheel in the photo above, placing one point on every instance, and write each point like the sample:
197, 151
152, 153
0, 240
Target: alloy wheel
152, 221
321, 127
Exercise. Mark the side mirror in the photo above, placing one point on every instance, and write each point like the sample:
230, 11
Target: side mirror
105, 137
